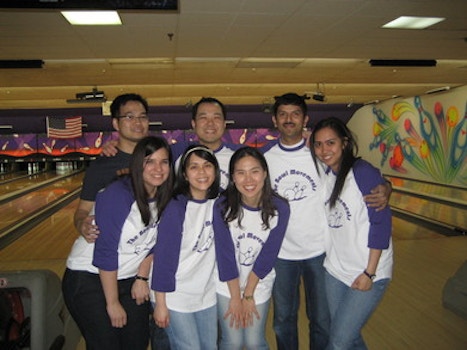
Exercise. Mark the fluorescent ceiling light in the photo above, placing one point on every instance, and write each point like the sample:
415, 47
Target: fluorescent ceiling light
254, 62
408, 22
158, 60
92, 17
206, 59
141, 63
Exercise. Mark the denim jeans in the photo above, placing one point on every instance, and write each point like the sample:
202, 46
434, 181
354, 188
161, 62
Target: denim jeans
193, 330
252, 337
84, 297
286, 297
350, 310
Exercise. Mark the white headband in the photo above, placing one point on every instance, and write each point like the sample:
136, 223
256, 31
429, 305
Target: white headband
197, 148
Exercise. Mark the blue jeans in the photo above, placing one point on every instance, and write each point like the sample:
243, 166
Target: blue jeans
286, 297
350, 310
252, 337
85, 299
193, 330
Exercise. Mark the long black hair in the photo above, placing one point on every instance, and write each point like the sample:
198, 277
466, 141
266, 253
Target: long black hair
182, 186
233, 204
349, 153
144, 148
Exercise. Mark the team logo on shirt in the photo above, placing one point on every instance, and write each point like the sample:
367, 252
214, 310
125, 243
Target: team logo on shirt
205, 238
247, 253
247, 257
294, 185
149, 239
338, 214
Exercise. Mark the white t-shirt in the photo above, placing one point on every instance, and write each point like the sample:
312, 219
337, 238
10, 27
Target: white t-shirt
294, 177
184, 256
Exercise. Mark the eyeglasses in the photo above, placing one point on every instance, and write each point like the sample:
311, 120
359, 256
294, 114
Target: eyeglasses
132, 118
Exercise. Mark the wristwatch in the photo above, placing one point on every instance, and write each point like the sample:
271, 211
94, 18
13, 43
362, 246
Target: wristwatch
370, 276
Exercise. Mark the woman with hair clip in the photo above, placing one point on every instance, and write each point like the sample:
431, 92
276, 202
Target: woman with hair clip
250, 220
358, 259
127, 213
184, 258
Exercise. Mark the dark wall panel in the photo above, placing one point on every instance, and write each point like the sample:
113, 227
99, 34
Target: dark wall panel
25, 121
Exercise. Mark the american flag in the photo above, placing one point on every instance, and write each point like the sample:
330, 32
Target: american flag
64, 128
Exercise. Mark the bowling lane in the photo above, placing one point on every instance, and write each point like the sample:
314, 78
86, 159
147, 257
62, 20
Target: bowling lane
440, 203
11, 176
46, 246
24, 181
448, 193
22, 207
447, 214
405, 230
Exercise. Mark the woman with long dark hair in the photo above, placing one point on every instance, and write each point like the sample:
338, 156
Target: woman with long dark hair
250, 220
358, 259
110, 298
184, 258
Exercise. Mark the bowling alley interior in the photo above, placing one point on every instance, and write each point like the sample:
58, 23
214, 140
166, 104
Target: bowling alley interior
401, 90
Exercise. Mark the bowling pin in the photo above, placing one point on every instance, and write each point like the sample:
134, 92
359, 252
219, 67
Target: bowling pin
47, 148
98, 141
243, 137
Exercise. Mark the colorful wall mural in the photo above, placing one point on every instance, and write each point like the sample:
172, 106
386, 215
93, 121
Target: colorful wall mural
39, 146
424, 137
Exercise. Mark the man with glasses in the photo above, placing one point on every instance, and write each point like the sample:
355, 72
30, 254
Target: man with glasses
208, 121
130, 119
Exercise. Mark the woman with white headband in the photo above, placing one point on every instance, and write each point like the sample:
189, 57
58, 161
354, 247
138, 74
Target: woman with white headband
184, 258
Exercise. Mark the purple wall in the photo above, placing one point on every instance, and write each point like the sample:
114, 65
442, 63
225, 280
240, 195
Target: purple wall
25, 121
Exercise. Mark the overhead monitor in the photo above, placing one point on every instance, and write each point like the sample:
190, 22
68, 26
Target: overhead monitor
171, 5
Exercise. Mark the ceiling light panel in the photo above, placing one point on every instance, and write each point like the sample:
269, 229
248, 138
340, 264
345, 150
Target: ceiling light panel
409, 22
92, 17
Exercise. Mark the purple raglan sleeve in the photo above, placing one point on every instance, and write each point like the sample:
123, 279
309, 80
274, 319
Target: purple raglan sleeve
167, 249
367, 178
224, 245
268, 255
264, 149
111, 209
